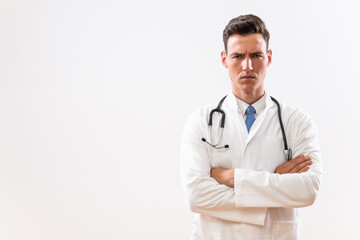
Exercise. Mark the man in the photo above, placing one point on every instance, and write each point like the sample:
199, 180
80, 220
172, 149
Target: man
245, 187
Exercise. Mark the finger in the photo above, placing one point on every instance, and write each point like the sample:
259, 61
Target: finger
304, 169
300, 164
299, 159
288, 166
298, 167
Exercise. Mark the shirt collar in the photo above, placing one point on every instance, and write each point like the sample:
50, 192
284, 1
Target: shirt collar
259, 105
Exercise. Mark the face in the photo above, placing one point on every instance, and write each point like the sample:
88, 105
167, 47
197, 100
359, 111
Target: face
247, 60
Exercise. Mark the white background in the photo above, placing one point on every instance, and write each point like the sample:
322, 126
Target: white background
94, 96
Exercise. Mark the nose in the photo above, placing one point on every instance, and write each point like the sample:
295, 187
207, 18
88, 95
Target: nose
247, 64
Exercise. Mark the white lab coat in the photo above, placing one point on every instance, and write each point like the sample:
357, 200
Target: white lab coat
262, 205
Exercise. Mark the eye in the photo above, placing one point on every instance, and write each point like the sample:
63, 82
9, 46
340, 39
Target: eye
257, 55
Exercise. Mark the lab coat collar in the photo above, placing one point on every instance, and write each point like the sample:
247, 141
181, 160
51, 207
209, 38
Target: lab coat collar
234, 109
231, 100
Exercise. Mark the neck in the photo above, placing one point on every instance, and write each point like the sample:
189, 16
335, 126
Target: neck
249, 98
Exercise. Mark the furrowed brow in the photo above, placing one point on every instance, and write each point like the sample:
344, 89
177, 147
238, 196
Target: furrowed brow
257, 53
236, 54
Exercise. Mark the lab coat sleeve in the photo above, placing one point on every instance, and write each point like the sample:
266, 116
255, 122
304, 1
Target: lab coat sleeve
203, 194
265, 189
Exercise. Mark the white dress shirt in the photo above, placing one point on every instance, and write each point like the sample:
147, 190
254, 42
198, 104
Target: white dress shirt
259, 106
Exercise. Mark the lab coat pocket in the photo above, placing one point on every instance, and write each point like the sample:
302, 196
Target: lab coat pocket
222, 158
272, 153
286, 230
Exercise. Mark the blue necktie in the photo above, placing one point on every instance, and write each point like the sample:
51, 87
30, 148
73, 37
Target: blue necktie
250, 117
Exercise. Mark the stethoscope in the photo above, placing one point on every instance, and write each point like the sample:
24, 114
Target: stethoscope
287, 151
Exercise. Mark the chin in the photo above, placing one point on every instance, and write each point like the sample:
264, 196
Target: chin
248, 86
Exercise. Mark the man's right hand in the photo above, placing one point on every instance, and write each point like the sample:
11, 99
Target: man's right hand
296, 165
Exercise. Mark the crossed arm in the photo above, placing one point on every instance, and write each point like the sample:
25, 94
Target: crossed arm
298, 164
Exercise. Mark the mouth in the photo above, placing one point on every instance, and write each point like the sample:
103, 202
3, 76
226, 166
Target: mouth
247, 77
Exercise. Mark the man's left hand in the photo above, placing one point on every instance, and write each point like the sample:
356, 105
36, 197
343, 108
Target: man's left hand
223, 176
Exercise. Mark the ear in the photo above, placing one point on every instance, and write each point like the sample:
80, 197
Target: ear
223, 59
269, 57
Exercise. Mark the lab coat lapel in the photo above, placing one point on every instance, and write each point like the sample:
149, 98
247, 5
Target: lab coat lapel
259, 120
256, 125
240, 135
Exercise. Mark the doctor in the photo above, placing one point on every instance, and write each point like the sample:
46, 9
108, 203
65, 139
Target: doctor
249, 190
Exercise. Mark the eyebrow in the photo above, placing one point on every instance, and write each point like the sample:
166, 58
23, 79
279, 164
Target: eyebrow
258, 52
237, 53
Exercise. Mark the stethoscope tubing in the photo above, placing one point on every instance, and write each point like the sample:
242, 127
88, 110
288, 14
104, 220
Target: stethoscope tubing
287, 151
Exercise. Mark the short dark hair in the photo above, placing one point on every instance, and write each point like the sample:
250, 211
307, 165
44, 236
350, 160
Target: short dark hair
245, 25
